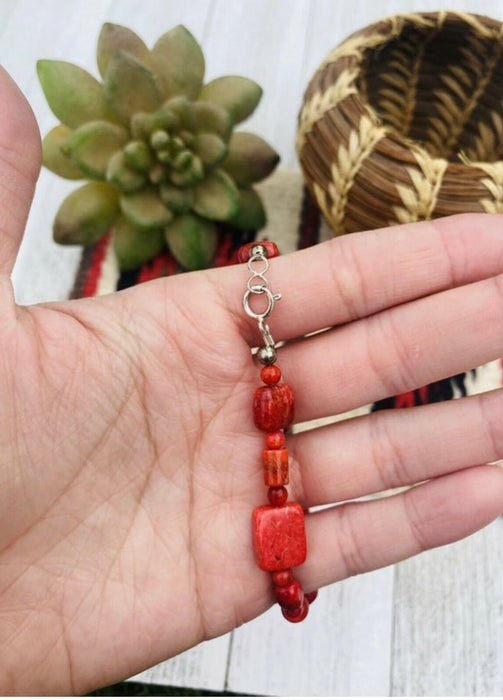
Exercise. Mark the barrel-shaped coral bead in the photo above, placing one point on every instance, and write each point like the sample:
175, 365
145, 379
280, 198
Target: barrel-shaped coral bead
275, 467
273, 407
279, 536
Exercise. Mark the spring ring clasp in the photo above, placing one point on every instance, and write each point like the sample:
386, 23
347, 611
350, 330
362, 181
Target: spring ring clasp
271, 300
259, 285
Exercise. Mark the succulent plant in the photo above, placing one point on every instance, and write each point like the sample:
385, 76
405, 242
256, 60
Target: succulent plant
158, 147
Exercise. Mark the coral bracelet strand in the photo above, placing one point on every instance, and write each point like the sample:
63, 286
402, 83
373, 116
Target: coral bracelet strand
278, 529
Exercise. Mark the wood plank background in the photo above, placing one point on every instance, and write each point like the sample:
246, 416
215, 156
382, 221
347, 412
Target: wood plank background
429, 626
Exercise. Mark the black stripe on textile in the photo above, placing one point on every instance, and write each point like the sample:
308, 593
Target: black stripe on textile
127, 279
308, 231
435, 392
83, 268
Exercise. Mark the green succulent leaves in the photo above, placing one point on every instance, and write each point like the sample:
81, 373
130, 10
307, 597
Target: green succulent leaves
178, 64
53, 157
91, 146
115, 38
86, 214
145, 209
129, 86
158, 146
250, 159
238, 96
192, 240
74, 96
216, 198
134, 246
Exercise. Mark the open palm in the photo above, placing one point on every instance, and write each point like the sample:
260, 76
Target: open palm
129, 463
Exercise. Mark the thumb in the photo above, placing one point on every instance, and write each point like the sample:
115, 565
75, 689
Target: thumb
20, 157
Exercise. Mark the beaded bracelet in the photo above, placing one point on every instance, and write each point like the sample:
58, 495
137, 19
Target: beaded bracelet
278, 529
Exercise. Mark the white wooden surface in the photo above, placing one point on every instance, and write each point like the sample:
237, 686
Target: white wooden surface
429, 626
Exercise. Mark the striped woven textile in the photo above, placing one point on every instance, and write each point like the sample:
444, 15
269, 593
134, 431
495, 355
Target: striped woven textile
294, 222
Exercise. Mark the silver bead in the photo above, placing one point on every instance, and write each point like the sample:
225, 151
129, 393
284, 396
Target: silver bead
267, 355
258, 251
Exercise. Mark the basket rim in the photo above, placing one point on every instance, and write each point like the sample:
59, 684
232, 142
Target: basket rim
353, 52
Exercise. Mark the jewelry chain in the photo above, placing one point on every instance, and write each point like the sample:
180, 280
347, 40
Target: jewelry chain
258, 285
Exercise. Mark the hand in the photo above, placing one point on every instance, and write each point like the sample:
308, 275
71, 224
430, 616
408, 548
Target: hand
130, 466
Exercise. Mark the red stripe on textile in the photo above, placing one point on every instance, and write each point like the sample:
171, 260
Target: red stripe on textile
423, 394
405, 400
412, 398
93, 275
153, 269
171, 268
224, 253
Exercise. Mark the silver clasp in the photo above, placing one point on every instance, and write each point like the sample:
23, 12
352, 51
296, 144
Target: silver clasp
271, 300
258, 284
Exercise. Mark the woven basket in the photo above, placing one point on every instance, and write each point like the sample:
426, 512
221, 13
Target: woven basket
403, 122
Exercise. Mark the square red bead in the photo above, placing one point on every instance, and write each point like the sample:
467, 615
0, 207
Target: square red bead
276, 467
279, 536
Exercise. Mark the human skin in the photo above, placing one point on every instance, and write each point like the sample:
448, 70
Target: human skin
130, 465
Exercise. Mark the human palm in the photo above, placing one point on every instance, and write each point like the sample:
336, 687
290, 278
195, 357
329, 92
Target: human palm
129, 460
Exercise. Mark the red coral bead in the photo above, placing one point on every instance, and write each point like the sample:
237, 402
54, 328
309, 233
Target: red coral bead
277, 496
290, 596
296, 614
271, 374
275, 464
279, 536
271, 250
275, 440
273, 407
311, 597
282, 578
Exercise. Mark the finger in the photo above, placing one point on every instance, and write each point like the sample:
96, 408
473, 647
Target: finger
20, 159
357, 275
358, 537
397, 350
390, 449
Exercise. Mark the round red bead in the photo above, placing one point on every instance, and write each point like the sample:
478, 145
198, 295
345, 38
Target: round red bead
275, 440
282, 578
277, 496
271, 374
311, 597
296, 614
290, 596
